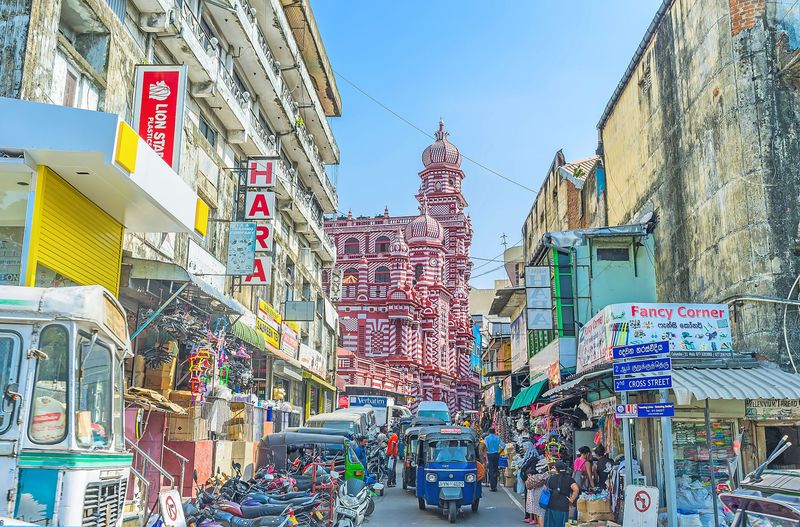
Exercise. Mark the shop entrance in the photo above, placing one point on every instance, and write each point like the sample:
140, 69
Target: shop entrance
790, 459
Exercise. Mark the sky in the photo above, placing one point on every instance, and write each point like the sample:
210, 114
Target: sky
514, 82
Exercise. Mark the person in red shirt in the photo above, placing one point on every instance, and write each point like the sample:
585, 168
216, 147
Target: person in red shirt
391, 453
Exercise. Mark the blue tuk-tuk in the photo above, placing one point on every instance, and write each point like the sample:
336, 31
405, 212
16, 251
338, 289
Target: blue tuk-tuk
447, 472
410, 460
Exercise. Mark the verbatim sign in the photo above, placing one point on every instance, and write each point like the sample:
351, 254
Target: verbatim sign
158, 109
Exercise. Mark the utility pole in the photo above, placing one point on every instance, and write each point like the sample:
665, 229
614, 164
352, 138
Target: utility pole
504, 243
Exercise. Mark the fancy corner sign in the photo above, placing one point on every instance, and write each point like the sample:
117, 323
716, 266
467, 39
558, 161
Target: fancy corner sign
158, 109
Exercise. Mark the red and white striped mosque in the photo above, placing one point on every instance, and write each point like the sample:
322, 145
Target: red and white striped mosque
405, 287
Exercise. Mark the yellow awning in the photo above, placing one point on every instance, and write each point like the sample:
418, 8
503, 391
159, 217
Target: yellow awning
319, 380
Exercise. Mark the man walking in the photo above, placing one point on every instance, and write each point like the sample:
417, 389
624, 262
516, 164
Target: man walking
392, 453
493, 447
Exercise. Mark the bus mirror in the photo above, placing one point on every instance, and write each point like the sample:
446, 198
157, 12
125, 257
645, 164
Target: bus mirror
33, 353
12, 391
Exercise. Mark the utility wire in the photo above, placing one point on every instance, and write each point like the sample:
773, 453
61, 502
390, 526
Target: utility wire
428, 135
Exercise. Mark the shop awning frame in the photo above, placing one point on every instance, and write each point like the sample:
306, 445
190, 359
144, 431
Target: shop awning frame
319, 380
760, 382
575, 383
148, 279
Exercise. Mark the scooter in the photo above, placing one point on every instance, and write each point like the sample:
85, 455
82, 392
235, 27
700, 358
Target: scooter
351, 505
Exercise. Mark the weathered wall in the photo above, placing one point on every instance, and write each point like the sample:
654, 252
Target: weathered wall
705, 133
14, 23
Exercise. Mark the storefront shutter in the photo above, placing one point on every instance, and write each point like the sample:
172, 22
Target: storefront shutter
74, 237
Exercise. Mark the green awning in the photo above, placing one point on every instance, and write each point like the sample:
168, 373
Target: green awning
528, 395
249, 335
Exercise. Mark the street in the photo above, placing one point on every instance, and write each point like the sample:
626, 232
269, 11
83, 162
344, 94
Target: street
399, 507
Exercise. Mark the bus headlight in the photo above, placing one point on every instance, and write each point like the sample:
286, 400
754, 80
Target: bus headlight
470, 478
431, 477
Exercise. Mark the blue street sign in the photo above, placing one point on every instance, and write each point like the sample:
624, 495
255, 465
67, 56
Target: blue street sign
640, 350
631, 384
642, 366
642, 410
655, 409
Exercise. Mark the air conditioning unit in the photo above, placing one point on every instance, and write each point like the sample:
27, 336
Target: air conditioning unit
161, 23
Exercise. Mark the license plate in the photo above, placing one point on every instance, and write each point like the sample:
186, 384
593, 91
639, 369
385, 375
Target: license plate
345, 512
451, 484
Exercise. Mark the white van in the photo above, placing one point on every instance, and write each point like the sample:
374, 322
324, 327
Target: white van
437, 409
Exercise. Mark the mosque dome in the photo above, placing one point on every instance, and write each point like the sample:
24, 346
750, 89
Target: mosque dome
442, 151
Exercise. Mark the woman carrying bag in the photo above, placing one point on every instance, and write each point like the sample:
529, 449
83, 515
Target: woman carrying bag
534, 512
559, 494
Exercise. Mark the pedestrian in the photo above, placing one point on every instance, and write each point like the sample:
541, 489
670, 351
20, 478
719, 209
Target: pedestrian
582, 469
603, 466
392, 453
526, 466
563, 494
493, 447
361, 453
535, 485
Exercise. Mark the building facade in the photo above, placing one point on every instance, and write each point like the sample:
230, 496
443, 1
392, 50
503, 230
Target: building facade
93, 204
404, 283
700, 132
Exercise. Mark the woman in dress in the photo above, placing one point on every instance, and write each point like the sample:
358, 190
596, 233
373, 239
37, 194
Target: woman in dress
534, 513
563, 493
526, 466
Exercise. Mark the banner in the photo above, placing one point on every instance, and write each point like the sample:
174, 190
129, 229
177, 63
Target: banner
691, 331
519, 343
312, 360
159, 103
268, 322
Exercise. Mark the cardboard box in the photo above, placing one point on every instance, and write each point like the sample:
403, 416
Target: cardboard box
582, 505
181, 397
138, 371
189, 427
597, 506
160, 378
584, 517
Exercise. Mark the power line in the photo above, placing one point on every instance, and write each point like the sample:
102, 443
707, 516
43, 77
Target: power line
428, 135
487, 272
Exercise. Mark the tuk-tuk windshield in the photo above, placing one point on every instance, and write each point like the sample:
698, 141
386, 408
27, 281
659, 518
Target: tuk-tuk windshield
451, 450
444, 415
758, 519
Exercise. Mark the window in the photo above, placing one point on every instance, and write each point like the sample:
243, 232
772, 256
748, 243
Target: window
451, 450
208, 131
382, 275
48, 424
350, 276
94, 397
351, 246
10, 349
418, 270
70, 89
613, 254
382, 245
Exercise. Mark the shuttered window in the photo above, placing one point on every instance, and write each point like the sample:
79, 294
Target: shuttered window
74, 237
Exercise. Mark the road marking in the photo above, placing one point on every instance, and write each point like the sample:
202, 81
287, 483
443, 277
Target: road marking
512, 498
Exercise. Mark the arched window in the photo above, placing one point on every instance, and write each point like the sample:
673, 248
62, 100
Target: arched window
417, 272
382, 275
350, 276
351, 246
382, 245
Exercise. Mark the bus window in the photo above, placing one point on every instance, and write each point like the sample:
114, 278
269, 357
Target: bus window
9, 371
48, 424
119, 404
93, 414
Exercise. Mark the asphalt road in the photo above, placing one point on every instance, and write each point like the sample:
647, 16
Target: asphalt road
398, 507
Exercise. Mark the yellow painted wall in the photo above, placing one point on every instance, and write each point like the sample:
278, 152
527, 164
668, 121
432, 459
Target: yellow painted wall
72, 236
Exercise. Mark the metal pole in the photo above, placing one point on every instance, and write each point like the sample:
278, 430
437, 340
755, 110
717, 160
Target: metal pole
711, 463
159, 310
626, 443
669, 465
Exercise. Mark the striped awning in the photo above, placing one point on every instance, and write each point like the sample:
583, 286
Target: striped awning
734, 383
249, 335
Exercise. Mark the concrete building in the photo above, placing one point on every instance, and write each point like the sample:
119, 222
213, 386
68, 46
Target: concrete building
259, 87
495, 338
701, 132
404, 283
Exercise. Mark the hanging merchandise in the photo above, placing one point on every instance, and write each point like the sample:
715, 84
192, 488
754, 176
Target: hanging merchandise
691, 451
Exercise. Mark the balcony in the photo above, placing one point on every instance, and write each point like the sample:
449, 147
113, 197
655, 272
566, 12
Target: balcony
184, 37
237, 21
233, 106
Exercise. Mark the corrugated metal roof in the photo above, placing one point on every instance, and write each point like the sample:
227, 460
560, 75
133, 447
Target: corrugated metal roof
734, 383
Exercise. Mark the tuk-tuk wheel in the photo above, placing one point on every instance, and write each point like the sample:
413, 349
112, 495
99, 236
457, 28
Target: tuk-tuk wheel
421, 503
475, 504
452, 510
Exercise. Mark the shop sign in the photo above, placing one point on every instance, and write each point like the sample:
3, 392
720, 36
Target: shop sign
775, 409
289, 340
241, 248
603, 407
261, 172
262, 271
158, 109
539, 297
691, 331
259, 205
265, 236
507, 388
311, 359
519, 343
632, 384
268, 322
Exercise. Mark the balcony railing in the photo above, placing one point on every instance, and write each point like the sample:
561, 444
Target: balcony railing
238, 94
197, 30
270, 142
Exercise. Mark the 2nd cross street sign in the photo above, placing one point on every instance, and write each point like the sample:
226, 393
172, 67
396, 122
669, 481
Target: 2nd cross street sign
630, 384
640, 350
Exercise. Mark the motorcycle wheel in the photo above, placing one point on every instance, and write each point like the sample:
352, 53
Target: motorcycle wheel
452, 511
475, 504
421, 503
370, 506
